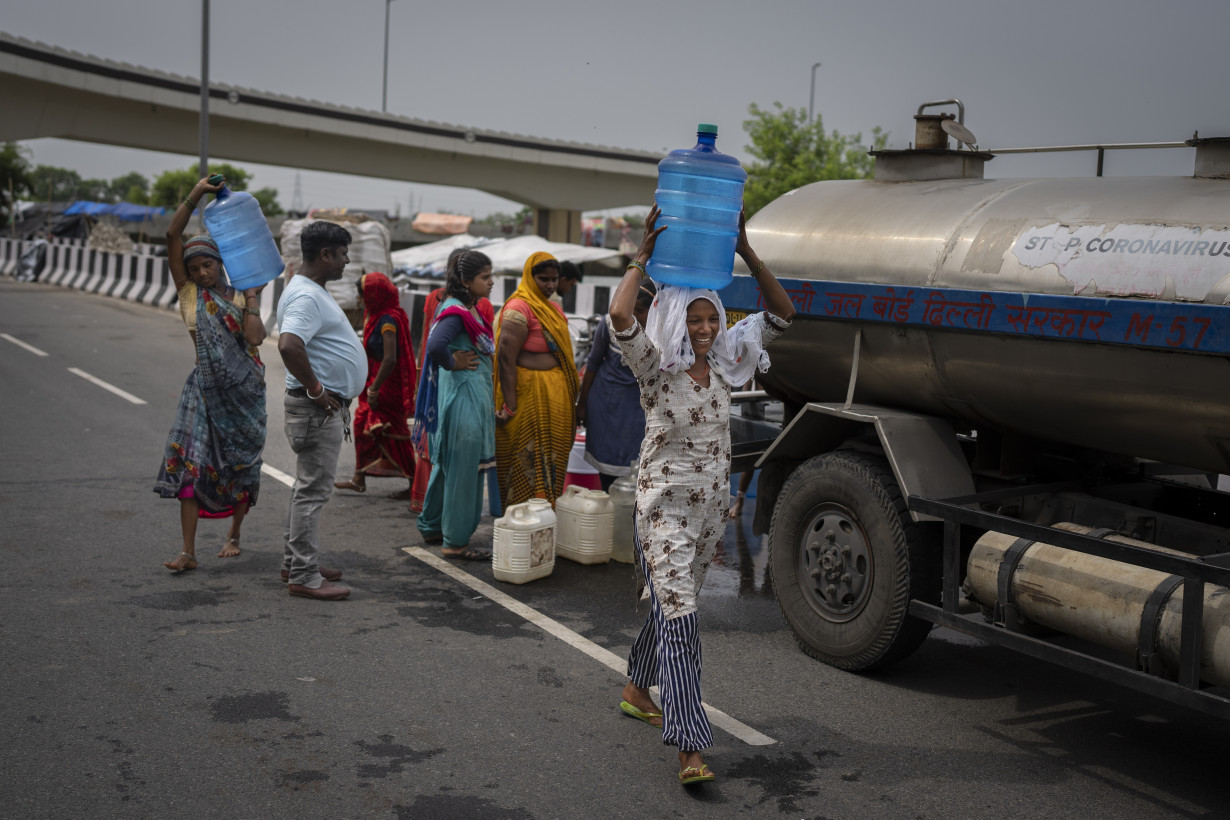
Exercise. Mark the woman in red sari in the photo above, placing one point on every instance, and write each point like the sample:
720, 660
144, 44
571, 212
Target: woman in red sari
422, 470
382, 434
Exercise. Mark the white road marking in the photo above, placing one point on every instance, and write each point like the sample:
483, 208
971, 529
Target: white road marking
123, 394
20, 343
717, 717
278, 475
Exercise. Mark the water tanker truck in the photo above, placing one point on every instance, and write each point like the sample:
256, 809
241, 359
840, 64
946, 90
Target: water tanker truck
1007, 405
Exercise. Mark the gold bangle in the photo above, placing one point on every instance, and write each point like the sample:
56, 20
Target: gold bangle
638, 266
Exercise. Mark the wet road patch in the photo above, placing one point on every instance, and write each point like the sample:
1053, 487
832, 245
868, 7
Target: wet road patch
178, 600
302, 781
398, 755
783, 778
254, 706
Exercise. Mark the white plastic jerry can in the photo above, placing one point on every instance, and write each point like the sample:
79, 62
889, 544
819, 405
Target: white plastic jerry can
585, 519
623, 533
523, 545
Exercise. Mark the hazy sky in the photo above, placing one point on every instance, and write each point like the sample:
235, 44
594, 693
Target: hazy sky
642, 73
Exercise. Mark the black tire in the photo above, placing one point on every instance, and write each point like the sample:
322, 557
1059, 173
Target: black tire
846, 558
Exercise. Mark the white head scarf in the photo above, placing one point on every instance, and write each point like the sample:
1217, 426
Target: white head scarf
737, 353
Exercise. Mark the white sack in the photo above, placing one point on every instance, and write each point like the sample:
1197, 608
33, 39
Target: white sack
369, 251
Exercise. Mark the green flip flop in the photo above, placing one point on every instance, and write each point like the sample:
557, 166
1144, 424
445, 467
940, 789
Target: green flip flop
696, 774
632, 711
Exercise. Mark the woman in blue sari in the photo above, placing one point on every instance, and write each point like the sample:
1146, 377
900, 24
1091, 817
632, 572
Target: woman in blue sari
454, 410
212, 460
610, 402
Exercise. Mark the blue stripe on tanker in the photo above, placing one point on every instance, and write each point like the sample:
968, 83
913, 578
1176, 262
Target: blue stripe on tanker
1187, 326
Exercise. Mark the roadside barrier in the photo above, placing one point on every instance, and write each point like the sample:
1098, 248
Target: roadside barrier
146, 279
134, 277
10, 255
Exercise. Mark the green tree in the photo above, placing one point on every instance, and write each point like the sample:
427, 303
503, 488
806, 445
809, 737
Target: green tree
510, 223
131, 187
268, 199
172, 186
94, 190
48, 182
15, 176
54, 184
790, 153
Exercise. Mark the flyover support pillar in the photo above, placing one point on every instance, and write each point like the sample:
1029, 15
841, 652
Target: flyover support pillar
557, 225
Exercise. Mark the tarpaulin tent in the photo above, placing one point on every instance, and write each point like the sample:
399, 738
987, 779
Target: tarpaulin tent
429, 259
83, 206
506, 254
36, 217
127, 212
441, 223
124, 211
510, 255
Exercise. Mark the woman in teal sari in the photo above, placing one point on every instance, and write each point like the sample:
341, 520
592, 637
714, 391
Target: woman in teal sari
454, 412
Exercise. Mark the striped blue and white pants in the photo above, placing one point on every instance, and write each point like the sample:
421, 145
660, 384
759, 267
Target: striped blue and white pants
667, 654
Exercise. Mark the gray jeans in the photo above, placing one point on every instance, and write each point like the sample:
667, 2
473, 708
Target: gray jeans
316, 438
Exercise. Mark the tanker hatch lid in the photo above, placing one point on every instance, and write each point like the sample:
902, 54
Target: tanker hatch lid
959, 133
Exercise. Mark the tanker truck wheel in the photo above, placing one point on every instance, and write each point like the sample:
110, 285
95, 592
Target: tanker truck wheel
846, 559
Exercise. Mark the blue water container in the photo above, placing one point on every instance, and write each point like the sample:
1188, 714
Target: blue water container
700, 194
249, 254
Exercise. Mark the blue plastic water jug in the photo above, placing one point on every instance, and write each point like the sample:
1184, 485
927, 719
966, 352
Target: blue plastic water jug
700, 193
249, 254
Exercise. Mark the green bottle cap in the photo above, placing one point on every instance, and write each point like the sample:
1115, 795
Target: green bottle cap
706, 128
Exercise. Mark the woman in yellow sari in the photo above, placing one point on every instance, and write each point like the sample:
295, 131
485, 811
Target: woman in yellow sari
536, 388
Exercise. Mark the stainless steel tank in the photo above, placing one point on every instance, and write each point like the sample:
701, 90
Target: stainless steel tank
1062, 309
1099, 600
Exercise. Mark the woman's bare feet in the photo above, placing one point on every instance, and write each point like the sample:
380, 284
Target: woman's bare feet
404, 495
231, 548
641, 699
358, 484
182, 563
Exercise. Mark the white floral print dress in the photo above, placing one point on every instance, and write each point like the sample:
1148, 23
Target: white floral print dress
683, 491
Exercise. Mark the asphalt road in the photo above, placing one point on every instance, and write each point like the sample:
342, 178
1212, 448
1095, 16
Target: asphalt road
130, 692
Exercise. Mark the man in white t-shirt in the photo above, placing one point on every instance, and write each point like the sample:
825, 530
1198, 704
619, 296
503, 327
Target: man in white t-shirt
325, 370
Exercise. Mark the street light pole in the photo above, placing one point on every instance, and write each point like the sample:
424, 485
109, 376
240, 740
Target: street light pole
204, 165
811, 101
384, 96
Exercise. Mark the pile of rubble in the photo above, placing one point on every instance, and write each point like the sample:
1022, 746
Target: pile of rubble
110, 237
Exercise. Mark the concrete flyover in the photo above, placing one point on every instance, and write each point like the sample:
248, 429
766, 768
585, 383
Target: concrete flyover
47, 91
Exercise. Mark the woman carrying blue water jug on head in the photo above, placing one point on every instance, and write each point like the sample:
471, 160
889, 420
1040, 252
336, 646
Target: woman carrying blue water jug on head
686, 362
212, 459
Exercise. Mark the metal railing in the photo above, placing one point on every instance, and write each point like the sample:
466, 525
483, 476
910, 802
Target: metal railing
1101, 148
